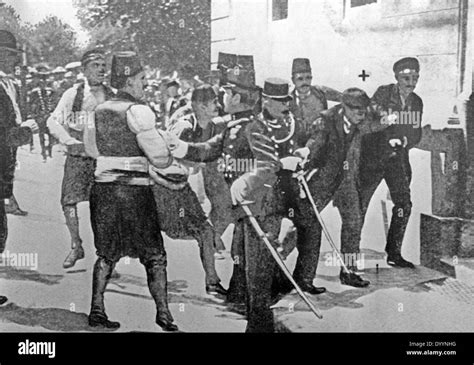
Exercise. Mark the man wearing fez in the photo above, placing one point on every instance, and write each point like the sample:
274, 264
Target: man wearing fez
13, 132
179, 210
384, 155
123, 211
308, 99
41, 103
71, 123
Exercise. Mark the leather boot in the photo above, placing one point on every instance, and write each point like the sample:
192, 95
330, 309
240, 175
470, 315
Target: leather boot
13, 208
158, 286
100, 277
72, 223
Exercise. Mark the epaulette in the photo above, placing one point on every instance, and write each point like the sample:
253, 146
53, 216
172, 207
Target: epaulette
318, 124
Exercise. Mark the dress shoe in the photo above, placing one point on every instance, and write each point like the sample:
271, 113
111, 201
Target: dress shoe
76, 253
399, 261
115, 275
99, 319
3, 299
352, 279
216, 289
165, 321
311, 289
15, 210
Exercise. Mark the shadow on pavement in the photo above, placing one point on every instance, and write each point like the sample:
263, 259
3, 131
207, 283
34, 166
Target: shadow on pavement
10, 273
53, 319
412, 280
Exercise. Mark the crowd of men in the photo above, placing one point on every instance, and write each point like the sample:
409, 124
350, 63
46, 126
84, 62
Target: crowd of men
146, 164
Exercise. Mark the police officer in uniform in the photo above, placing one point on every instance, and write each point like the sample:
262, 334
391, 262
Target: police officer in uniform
41, 103
273, 192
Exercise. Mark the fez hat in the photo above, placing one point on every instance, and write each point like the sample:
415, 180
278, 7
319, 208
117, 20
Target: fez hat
203, 94
277, 89
406, 65
236, 71
355, 98
301, 65
92, 55
8, 41
124, 65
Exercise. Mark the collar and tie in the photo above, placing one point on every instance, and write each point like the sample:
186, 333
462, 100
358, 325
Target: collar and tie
11, 92
347, 125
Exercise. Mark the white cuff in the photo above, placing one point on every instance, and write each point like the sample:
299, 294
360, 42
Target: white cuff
181, 150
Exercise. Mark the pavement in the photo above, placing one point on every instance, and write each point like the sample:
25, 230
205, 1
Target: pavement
44, 297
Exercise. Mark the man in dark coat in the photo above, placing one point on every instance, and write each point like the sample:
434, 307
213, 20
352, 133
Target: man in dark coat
331, 138
13, 132
384, 155
123, 211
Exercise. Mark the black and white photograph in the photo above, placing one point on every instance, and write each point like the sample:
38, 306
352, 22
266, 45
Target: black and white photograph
225, 168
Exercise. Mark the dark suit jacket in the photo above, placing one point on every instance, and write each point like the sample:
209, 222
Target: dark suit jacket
11, 136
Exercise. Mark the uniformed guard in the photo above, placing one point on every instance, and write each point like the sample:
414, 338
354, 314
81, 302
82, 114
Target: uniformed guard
41, 103
385, 155
70, 123
123, 212
273, 192
242, 101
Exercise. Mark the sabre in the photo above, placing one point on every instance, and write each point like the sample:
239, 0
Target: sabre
279, 261
303, 182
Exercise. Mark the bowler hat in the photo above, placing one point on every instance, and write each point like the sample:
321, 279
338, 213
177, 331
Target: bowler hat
301, 65
236, 71
406, 64
8, 41
277, 89
355, 98
124, 64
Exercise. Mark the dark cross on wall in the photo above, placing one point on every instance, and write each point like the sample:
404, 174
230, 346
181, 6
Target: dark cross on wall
363, 75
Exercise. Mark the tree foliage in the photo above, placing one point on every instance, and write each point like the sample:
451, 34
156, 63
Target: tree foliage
169, 34
51, 41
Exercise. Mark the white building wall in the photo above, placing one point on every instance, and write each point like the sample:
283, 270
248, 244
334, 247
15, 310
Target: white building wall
341, 42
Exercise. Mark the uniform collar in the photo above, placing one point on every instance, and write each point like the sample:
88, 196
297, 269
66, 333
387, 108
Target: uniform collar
243, 114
